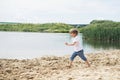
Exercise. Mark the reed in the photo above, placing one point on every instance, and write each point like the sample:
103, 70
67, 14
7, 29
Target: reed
108, 31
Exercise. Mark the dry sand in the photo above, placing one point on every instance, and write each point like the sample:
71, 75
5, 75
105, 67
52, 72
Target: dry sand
104, 66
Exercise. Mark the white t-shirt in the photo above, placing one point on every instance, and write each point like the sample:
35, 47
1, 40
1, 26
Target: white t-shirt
77, 46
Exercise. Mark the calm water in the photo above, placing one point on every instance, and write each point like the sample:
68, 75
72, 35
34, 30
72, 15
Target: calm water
22, 45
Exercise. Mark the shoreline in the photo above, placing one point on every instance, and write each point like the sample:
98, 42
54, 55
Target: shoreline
104, 66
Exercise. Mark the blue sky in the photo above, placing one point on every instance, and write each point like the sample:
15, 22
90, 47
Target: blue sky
65, 11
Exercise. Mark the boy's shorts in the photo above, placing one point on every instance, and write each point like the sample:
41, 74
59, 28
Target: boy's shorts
80, 54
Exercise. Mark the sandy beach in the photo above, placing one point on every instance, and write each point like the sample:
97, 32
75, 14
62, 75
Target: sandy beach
105, 65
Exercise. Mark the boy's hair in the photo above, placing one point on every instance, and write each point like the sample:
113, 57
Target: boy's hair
74, 31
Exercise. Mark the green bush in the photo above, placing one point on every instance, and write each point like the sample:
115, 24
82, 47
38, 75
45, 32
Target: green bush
48, 27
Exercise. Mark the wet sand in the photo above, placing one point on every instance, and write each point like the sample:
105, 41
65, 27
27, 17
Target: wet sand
105, 65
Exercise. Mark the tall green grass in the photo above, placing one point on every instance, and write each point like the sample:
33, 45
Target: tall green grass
108, 31
48, 27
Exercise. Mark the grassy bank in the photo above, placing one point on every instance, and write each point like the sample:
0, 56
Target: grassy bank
48, 27
102, 30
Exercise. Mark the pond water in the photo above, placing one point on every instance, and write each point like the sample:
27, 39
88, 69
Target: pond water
23, 45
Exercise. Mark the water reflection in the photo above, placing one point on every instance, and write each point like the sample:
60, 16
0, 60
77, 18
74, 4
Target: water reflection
103, 44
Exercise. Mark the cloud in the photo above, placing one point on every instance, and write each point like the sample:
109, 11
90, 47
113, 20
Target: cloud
67, 11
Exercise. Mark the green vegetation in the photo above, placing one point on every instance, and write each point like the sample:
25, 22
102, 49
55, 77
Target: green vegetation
48, 27
97, 30
102, 30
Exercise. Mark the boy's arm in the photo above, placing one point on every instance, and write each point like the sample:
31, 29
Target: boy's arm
72, 44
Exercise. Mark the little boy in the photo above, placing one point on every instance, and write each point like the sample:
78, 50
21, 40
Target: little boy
78, 49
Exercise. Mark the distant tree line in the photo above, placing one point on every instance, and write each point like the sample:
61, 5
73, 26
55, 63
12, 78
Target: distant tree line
98, 30
48, 27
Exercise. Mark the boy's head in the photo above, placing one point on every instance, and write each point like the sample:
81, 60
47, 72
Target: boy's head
73, 32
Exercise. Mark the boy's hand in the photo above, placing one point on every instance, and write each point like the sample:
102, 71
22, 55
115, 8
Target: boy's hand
66, 43
70, 44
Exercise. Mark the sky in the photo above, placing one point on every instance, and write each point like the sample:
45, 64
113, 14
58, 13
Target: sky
63, 11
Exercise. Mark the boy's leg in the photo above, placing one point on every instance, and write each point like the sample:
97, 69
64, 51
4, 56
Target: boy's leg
72, 58
82, 56
71, 63
87, 63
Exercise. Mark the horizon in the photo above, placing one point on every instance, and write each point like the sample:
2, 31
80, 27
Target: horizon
57, 22
42, 23
59, 11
